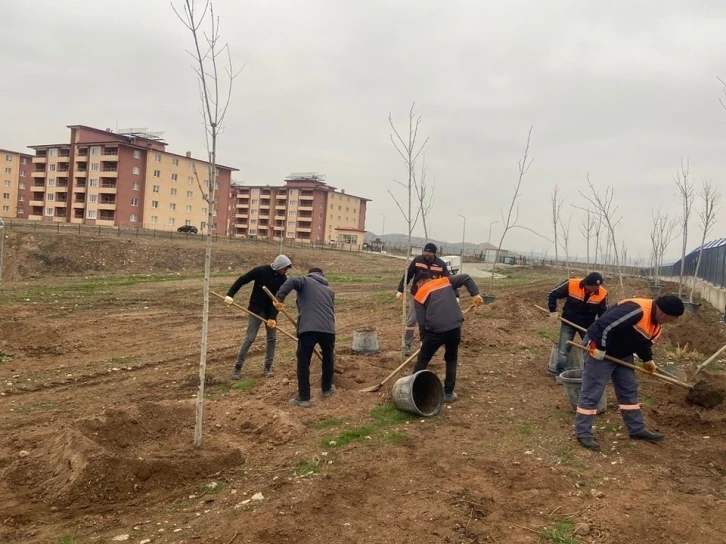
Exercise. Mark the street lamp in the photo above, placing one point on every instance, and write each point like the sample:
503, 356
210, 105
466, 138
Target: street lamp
463, 237
2, 246
489, 241
383, 226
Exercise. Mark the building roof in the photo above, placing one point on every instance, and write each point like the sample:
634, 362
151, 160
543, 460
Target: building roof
351, 229
109, 131
48, 145
14, 152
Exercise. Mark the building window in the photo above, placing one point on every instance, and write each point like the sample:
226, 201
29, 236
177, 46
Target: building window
9, 158
8, 170
6, 196
191, 166
21, 185
135, 186
93, 182
190, 180
49, 212
51, 182
92, 199
137, 154
172, 207
155, 188
187, 221
292, 213
291, 223
154, 219
347, 239
95, 150
171, 221
253, 212
253, 221
255, 202
53, 152
157, 158
216, 185
340, 208
91, 214
7, 183
21, 210
173, 192
6, 209
134, 201
253, 232
175, 162
137, 170
23, 160
331, 217
50, 197
293, 203
204, 211
51, 167
154, 203
190, 194
188, 209
22, 173
94, 167
157, 173
174, 177
291, 235
133, 218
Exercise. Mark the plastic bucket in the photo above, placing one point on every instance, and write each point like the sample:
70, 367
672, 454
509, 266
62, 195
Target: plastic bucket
421, 393
365, 340
575, 360
655, 289
572, 381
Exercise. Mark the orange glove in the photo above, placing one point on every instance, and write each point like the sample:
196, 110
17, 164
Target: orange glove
477, 300
649, 366
279, 306
271, 323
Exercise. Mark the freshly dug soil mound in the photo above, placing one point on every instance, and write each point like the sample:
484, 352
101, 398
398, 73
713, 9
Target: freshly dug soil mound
705, 394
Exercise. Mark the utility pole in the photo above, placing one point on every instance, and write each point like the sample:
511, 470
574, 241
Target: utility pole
383, 226
463, 237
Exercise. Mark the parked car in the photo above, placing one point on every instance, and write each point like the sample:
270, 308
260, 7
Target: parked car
453, 263
187, 228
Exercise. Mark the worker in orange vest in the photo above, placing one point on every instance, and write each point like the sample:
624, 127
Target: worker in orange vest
628, 328
586, 300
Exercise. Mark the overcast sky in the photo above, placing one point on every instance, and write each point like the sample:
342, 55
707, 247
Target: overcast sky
620, 89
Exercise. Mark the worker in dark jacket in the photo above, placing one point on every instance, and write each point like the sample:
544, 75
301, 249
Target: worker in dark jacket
316, 325
271, 276
628, 328
428, 262
439, 318
586, 300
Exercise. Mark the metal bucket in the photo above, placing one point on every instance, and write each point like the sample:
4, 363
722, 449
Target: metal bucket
655, 289
365, 340
572, 381
575, 360
421, 393
488, 299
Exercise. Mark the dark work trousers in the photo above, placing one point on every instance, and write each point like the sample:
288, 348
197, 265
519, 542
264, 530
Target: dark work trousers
595, 377
305, 345
567, 334
411, 323
253, 327
430, 343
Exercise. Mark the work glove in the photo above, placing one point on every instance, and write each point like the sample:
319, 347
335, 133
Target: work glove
649, 366
597, 354
399, 295
477, 300
279, 306
271, 323
228, 300
553, 315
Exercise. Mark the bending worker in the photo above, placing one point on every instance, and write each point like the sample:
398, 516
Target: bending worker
439, 317
586, 300
627, 328
427, 262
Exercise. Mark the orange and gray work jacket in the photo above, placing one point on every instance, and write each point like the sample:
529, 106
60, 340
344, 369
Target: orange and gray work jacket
436, 267
435, 303
627, 328
580, 307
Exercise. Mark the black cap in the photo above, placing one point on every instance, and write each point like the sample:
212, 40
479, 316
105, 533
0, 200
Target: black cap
593, 279
670, 305
430, 247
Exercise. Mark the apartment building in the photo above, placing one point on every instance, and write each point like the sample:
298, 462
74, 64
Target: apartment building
304, 209
15, 172
126, 179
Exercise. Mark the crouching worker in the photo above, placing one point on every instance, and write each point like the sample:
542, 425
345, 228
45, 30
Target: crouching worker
316, 325
439, 318
630, 327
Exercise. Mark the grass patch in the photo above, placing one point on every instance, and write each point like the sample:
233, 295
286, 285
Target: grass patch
330, 422
217, 391
212, 488
645, 399
383, 416
346, 437
5, 357
393, 437
245, 385
563, 457
561, 415
561, 534
307, 467
348, 279
67, 540
611, 428
48, 405
388, 414
548, 335
526, 430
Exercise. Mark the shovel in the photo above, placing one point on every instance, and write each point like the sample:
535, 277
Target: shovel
374, 388
680, 376
708, 361
662, 377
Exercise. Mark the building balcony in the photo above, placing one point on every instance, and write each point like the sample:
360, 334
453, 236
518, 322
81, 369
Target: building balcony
264, 216
280, 217
39, 184
107, 205
36, 202
280, 206
276, 227
105, 222
109, 155
63, 158
40, 160
303, 229
109, 172
241, 216
305, 208
39, 174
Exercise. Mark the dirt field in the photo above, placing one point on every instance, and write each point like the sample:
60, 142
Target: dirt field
99, 349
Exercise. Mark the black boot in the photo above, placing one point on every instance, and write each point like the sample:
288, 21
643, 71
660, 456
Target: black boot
589, 443
648, 436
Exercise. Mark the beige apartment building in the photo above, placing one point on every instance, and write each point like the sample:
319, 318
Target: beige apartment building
304, 209
125, 179
15, 172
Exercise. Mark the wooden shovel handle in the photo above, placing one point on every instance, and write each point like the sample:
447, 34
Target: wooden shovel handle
709, 361
637, 368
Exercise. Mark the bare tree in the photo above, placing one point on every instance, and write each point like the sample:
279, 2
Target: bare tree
409, 151
212, 63
685, 192
565, 236
557, 201
604, 205
711, 198
597, 229
664, 229
424, 195
587, 228
513, 214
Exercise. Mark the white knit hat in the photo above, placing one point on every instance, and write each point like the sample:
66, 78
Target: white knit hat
280, 262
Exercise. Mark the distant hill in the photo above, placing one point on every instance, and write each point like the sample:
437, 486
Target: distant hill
445, 248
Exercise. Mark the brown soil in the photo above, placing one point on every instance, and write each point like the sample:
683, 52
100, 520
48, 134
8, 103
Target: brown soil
97, 418
705, 394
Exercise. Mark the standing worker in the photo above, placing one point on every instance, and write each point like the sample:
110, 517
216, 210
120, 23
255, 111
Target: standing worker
629, 327
439, 317
428, 262
316, 325
586, 300
271, 276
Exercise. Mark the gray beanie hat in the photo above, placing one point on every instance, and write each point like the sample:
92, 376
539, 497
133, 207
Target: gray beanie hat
280, 262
